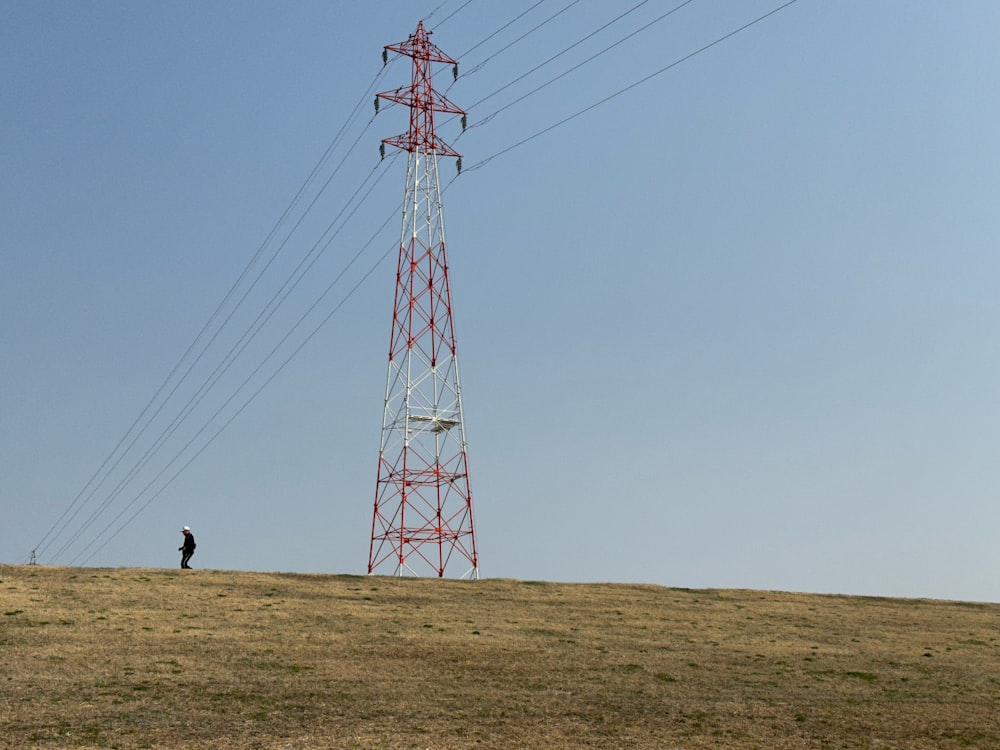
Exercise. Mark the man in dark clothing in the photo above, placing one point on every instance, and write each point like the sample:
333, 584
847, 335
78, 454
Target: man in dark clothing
187, 548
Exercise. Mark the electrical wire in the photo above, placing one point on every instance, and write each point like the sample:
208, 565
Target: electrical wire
455, 12
579, 65
521, 38
559, 54
55, 531
171, 428
393, 248
556, 56
193, 402
289, 358
439, 7
619, 92
245, 339
516, 18
231, 356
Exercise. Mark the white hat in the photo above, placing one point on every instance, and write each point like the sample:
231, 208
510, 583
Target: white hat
186, 528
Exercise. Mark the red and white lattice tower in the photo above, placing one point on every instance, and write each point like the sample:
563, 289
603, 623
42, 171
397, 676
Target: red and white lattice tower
423, 497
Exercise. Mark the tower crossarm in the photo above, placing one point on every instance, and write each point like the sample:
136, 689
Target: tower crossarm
420, 97
407, 96
419, 45
426, 142
422, 515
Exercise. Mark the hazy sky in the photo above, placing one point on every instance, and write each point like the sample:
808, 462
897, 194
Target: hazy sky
736, 327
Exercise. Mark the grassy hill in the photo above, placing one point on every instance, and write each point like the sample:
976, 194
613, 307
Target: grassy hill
138, 658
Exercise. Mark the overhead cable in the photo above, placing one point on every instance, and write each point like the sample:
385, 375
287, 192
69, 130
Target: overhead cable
235, 351
55, 530
619, 92
231, 356
565, 50
105, 539
530, 31
455, 12
516, 18
579, 65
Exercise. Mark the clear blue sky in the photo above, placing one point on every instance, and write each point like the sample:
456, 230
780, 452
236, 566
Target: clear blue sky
736, 327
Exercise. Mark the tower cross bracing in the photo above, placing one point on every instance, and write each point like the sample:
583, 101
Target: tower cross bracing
422, 517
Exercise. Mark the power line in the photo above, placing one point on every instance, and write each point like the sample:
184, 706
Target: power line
55, 529
256, 392
521, 38
619, 92
559, 54
575, 67
235, 351
231, 357
455, 12
350, 293
429, 15
227, 361
516, 18
562, 52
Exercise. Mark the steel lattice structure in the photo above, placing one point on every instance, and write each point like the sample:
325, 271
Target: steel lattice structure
423, 496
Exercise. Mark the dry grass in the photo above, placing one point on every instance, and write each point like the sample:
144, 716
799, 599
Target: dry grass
134, 658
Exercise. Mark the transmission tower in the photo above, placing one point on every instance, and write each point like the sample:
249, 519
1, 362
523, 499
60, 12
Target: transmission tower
423, 497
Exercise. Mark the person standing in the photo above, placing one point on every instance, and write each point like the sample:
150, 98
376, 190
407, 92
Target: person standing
187, 549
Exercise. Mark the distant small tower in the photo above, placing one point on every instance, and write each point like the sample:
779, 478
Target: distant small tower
423, 497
